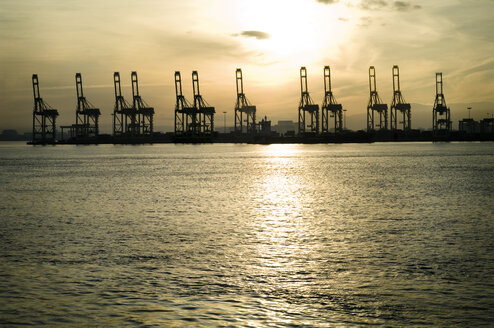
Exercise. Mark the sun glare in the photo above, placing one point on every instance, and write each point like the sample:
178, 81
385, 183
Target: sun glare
299, 30
281, 150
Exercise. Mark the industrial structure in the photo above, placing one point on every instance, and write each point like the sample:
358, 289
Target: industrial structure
144, 112
307, 107
204, 111
194, 121
87, 116
125, 123
469, 126
330, 107
375, 106
44, 117
243, 106
487, 126
441, 121
399, 105
185, 114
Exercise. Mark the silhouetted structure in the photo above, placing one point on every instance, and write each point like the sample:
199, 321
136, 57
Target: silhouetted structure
306, 105
44, 117
468, 126
144, 112
124, 115
185, 114
243, 106
399, 104
87, 116
265, 127
203, 109
487, 126
330, 107
375, 105
441, 122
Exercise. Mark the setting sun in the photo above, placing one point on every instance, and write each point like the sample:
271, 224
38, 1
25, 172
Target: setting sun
298, 31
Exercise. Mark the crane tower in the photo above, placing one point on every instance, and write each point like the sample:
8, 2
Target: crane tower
307, 106
441, 122
87, 116
375, 106
185, 113
124, 115
144, 112
203, 109
44, 117
330, 107
243, 106
399, 105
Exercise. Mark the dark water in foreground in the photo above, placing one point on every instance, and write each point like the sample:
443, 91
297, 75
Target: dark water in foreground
247, 235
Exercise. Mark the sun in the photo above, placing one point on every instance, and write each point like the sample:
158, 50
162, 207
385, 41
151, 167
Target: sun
298, 30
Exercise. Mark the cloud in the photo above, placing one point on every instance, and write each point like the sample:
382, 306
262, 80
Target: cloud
188, 45
253, 34
404, 6
372, 4
365, 21
343, 19
328, 2
380, 4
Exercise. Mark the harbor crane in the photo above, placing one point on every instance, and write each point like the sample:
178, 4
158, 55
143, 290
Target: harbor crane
185, 114
243, 106
375, 106
330, 107
203, 109
441, 119
125, 121
399, 104
144, 112
87, 116
307, 107
44, 117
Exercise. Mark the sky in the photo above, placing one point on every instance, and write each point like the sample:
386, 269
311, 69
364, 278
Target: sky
269, 39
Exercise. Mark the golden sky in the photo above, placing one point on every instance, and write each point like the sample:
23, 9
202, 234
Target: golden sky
268, 39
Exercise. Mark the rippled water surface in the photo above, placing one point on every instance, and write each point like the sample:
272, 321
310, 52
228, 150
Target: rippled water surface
393, 234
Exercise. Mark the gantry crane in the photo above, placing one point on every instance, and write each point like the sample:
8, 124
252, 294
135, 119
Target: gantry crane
44, 117
375, 105
399, 104
125, 121
87, 116
185, 113
144, 112
441, 122
330, 107
204, 111
306, 105
243, 106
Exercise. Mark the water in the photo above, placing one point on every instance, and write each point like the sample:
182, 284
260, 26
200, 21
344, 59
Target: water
391, 234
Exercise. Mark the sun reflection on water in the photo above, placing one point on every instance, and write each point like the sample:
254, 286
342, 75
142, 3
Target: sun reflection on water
280, 150
279, 218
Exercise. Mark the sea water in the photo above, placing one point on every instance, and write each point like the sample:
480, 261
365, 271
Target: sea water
236, 235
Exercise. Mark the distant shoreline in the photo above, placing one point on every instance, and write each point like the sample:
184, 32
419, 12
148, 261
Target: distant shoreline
345, 137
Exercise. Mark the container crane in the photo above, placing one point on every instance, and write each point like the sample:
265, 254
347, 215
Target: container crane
307, 106
124, 115
399, 105
330, 107
441, 119
203, 109
243, 106
185, 113
44, 117
375, 106
144, 113
87, 116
